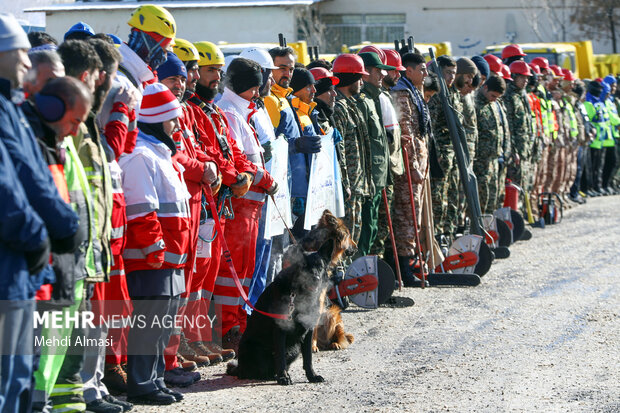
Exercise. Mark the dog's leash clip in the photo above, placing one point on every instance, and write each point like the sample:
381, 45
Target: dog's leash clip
291, 306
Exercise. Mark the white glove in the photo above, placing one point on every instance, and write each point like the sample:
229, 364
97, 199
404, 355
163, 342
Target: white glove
210, 173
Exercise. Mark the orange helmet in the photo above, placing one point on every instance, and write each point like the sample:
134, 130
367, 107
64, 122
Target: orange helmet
512, 50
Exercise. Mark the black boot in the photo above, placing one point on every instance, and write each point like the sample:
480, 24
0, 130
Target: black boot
408, 272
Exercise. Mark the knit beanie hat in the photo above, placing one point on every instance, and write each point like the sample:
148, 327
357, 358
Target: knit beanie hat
347, 79
158, 105
301, 78
173, 66
482, 65
12, 36
243, 74
464, 66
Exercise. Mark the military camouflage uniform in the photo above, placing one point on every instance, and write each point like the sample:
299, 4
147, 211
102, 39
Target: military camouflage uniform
415, 143
396, 168
355, 179
445, 191
521, 133
378, 151
488, 150
506, 154
470, 125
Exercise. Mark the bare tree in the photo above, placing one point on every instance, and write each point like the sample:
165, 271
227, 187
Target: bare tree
550, 20
598, 19
309, 26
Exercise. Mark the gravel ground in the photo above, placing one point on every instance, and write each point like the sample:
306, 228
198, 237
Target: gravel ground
540, 333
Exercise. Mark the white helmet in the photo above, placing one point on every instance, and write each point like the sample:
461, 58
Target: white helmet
229, 59
260, 56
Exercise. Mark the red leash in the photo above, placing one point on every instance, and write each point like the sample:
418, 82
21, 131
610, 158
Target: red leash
228, 259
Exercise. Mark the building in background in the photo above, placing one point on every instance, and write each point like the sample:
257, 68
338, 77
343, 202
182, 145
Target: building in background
469, 26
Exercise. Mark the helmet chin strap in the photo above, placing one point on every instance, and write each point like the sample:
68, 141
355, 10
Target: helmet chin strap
153, 50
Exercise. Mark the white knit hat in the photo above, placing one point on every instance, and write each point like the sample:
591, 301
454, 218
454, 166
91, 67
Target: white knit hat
12, 36
158, 105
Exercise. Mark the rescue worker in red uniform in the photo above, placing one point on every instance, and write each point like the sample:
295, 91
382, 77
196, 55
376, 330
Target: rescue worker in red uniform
237, 172
244, 78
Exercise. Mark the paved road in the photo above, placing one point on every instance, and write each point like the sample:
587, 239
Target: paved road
540, 334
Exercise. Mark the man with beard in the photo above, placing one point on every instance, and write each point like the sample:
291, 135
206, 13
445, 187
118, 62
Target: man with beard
265, 132
216, 137
243, 81
356, 181
198, 172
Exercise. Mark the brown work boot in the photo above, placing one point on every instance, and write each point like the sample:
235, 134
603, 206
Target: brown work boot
201, 350
190, 355
186, 364
227, 354
231, 339
115, 378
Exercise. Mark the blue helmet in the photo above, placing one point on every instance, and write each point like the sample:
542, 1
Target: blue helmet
80, 27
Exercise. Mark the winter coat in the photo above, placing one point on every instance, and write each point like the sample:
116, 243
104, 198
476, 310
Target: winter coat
157, 207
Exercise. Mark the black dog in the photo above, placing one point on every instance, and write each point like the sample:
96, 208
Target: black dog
269, 345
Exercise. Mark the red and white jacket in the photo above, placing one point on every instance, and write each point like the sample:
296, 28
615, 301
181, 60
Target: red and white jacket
158, 218
238, 112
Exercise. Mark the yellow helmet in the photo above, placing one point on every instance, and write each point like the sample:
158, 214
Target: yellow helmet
185, 50
209, 54
151, 18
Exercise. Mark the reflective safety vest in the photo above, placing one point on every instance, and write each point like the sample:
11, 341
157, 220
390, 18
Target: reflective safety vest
614, 122
81, 201
574, 127
597, 112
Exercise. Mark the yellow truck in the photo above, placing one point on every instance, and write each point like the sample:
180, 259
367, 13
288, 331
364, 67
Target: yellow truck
301, 49
423, 47
607, 64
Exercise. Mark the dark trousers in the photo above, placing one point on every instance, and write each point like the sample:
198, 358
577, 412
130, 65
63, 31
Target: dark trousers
574, 189
16, 349
610, 165
145, 346
586, 175
598, 162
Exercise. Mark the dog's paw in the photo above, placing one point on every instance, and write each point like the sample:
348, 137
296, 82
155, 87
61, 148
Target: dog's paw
350, 338
315, 348
336, 346
285, 380
316, 379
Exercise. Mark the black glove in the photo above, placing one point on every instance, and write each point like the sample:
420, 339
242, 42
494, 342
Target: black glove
39, 258
267, 153
273, 190
308, 144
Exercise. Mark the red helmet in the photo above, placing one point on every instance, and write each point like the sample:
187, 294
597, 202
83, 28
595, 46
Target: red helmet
542, 62
349, 63
535, 68
512, 50
505, 72
321, 73
374, 49
568, 75
520, 67
392, 58
495, 63
557, 71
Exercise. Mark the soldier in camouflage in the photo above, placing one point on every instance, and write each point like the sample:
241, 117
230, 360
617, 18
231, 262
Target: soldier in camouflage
520, 124
490, 137
349, 121
442, 197
377, 146
415, 125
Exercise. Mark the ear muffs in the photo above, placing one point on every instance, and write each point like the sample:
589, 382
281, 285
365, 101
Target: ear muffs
51, 107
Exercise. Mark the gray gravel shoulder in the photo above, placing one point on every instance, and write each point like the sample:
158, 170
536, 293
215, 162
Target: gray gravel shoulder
541, 333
